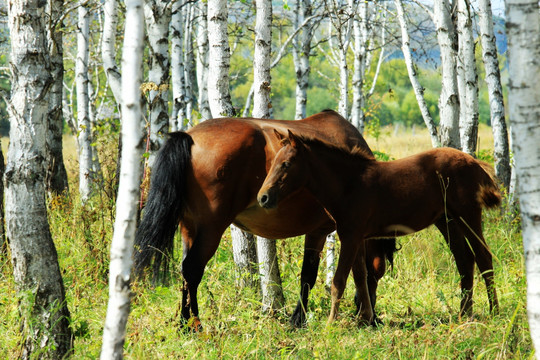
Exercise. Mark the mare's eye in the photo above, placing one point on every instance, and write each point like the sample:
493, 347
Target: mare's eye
286, 165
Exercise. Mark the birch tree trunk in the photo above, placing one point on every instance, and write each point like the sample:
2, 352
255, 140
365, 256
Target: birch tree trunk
411, 69
468, 122
129, 190
361, 39
449, 98
157, 15
341, 22
45, 317
110, 66
272, 291
496, 102
83, 119
56, 178
219, 99
189, 71
330, 260
301, 51
108, 48
523, 30
343, 107
3, 239
177, 67
202, 60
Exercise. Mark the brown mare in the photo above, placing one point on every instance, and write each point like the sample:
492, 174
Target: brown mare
370, 199
207, 178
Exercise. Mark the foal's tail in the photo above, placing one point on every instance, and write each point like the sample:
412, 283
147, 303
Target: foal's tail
164, 208
488, 194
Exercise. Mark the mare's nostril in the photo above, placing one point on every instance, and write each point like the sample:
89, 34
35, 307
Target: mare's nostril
264, 199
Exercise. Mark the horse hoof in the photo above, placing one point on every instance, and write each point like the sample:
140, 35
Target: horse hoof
192, 326
376, 321
298, 319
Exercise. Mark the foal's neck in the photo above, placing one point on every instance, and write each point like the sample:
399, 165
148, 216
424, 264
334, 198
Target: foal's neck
335, 172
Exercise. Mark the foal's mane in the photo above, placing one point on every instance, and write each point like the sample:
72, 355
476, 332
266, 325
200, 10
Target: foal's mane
356, 152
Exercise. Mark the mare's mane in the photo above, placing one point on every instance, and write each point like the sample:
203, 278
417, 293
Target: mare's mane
356, 152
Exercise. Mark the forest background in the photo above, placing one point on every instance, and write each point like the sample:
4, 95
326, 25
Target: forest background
82, 232
393, 100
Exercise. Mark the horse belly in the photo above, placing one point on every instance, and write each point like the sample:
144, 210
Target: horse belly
291, 218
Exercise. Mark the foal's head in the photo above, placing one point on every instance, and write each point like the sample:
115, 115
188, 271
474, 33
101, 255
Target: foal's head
287, 174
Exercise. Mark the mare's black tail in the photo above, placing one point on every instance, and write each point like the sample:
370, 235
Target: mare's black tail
154, 240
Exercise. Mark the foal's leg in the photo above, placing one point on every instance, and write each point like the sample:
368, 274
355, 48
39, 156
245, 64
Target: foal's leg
376, 256
313, 246
464, 258
471, 226
199, 247
351, 251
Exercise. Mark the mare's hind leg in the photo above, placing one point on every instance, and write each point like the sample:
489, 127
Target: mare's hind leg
471, 226
199, 247
463, 257
313, 245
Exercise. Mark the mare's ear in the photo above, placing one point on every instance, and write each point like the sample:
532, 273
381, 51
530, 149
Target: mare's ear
279, 135
294, 140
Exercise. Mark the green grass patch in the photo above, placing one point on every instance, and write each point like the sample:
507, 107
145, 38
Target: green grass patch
418, 302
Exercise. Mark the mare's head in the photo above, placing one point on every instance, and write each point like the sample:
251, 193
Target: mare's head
287, 174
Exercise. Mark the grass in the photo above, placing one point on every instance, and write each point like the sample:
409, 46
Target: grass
418, 300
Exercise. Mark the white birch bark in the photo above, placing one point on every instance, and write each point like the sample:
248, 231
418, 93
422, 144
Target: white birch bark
108, 47
411, 69
343, 107
466, 64
219, 99
523, 30
97, 174
341, 23
301, 52
449, 98
272, 291
245, 257
496, 103
45, 331
56, 179
361, 39
262, 58
128, 193
330, 260
202, 60
189, 71
157, 15
83, 119
177, 67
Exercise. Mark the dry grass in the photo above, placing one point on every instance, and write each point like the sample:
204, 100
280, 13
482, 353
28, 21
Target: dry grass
405, 142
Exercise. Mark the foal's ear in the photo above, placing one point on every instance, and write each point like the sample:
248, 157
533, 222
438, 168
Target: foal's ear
294, 140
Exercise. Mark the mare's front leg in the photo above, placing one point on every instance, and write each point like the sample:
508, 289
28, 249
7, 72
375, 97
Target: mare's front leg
313, 246
198, 248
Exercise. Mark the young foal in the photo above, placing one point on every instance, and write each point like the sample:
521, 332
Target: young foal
371, 199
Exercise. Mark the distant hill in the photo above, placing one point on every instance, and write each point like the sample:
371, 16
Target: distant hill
426, 50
